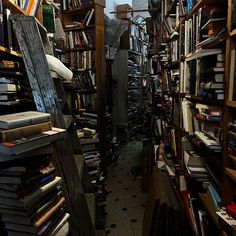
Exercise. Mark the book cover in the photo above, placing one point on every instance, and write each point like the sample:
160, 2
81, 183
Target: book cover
24, 131
30, 200
16, 147
49, 18
16, 120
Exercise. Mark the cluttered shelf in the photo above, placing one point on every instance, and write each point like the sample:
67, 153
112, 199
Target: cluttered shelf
200, 4
9, 54
203, 100
82, 8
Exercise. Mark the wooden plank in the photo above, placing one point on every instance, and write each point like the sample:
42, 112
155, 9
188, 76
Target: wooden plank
46, 100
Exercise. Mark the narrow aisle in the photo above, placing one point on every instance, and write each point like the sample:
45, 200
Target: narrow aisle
125, 201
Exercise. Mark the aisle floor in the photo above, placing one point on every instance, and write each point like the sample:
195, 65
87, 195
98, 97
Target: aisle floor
125, 201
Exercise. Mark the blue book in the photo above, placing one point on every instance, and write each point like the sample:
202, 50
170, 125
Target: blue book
214, 196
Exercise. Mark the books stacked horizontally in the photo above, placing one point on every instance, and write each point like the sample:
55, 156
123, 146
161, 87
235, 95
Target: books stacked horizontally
195, 165
212, 85
9, 91
31, 201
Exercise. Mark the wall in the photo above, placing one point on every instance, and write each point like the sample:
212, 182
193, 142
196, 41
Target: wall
140, 4
111, 6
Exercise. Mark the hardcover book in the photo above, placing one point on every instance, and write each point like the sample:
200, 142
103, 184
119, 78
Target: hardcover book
22, 119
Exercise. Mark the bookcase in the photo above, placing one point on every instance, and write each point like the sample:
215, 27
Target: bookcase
128, 65
83, 23
193, 45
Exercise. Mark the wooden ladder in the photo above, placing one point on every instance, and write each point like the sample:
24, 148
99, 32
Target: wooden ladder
32, 41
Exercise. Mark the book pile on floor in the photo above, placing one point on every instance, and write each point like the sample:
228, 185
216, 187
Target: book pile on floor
31, 201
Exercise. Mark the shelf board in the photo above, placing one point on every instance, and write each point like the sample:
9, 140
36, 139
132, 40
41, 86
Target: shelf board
79, 49
231, 104
14, 8
204, 100
134, 52
202, 53
233, 33
83, 70
79, 28
8, 52
231, 173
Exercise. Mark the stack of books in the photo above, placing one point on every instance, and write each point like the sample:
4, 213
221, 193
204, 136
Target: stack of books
31, 201
9, 91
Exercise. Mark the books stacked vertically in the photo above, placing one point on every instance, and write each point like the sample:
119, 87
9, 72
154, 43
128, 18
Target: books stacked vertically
31, 201
80, 39
82, 60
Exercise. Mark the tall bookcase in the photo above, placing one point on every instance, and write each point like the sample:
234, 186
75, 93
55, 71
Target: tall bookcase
194, 46
83, 24
93, 55
127, 116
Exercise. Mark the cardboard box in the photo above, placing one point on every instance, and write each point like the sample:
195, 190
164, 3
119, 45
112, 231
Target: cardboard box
122, 11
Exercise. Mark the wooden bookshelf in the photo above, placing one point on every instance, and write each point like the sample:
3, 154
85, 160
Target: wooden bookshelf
13, 7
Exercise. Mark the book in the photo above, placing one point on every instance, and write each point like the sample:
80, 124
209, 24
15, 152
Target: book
16, 120
9, 87
49, 18
60, 225
16, 147
28, 178
44, 230
211, 85
90, 16
31, 219
30, 200
24, 131
8, 96
192, 159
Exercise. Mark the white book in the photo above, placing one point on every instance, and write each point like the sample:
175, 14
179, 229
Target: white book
8, 87
90, 16
16, 120
61, 225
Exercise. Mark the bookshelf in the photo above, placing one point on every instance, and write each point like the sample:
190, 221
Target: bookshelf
128, 73
85, 52
190, 52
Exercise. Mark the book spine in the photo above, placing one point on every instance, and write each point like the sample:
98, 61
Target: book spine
22, 132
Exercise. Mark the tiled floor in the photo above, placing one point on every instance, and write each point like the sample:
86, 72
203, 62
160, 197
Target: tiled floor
125, 201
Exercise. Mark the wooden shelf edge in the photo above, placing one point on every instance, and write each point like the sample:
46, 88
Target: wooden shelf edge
79, 28
231, 104
14, 8
233, 33
231, 174
199, 4
9, 51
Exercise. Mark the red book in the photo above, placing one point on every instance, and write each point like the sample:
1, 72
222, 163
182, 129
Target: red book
231, 210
